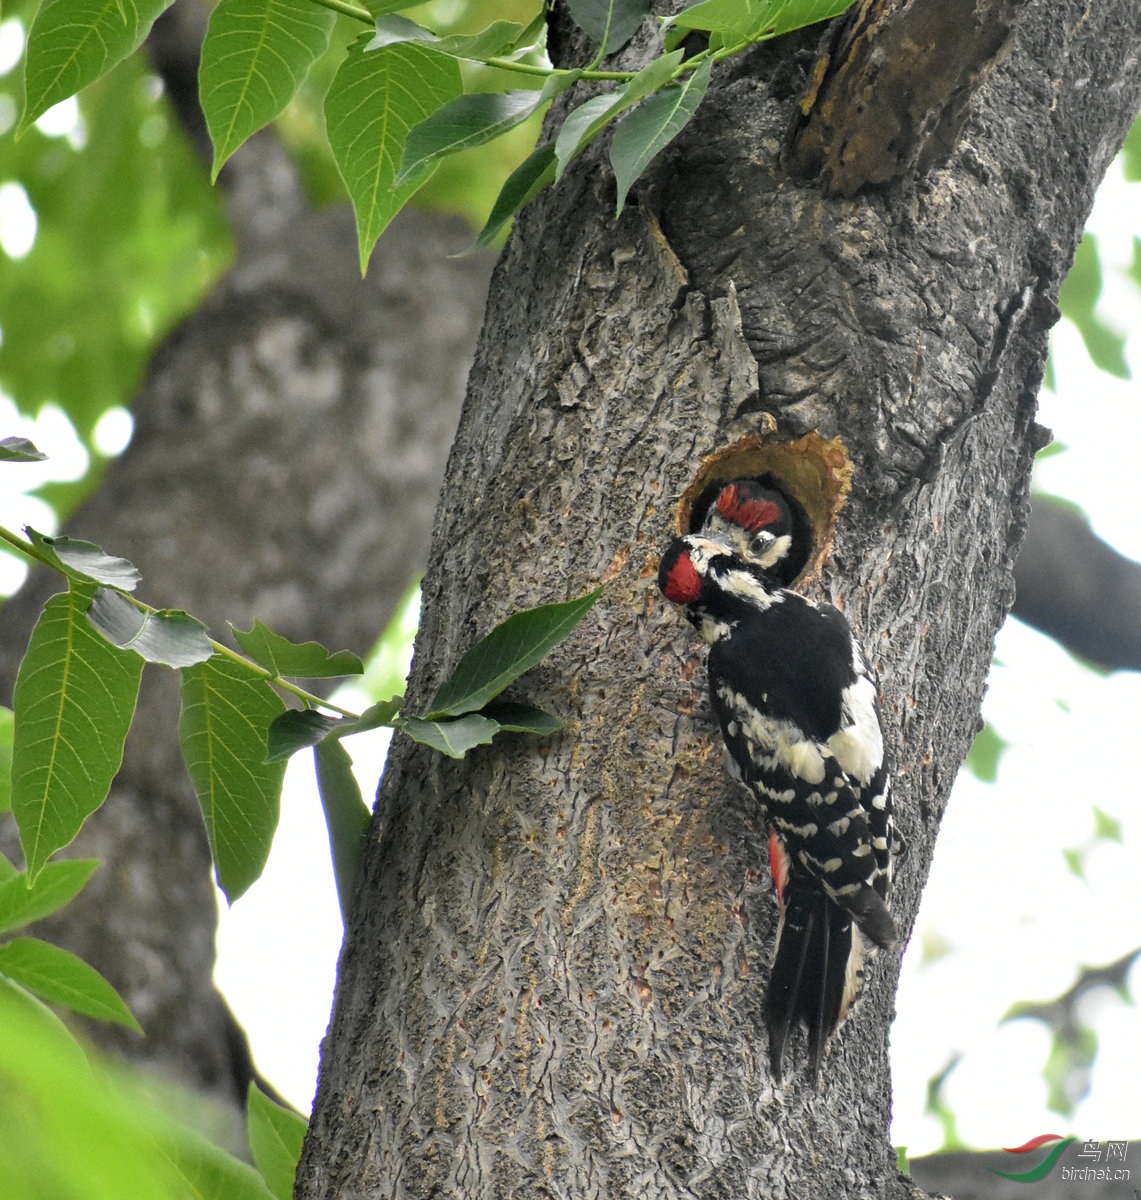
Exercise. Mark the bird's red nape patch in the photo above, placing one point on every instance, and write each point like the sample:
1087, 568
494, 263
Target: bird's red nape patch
778, 864
683, 583
746, 512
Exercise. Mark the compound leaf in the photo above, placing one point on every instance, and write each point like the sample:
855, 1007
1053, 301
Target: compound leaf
610, 23
536, 172
741, 21
19, 449
298, 728
453, 737
86, 561
513, 717
463, 123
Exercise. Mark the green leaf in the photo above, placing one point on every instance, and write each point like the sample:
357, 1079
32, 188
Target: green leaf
170, 637
58, 976
582, 126
72, 1128
387, 665
653, 125
225, 715
463, 123
1075, 862
1107, 826
379, 8
255, 56
296, 729
610, 23
73, 42
85, 560
381, 713
986, 753
346, 815
300, 660
451, 737
276, 1136
588, 120
513, 717
19, 449
756, 20
512, 647
23, 901
375, 99
1078, 298
7, 732
496, 39
390, 31
1131, 154
207, 1172
536, 172
74, 700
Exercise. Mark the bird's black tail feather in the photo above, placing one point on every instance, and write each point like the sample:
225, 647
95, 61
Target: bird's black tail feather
812, 980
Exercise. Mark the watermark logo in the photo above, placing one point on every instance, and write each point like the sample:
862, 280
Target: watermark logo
1045, 1166
1096, 1160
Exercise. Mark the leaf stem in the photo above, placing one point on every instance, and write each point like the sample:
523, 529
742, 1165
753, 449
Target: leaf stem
26, 548
349, 10
504, 64
264, 673
29, 550
507, 64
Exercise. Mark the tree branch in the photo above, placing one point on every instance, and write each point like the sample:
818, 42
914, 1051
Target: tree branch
1077, 589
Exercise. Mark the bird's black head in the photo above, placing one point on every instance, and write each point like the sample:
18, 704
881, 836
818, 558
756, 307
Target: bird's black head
715, 586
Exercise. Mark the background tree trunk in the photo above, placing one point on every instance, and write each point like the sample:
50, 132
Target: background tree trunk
288, 450
558, 950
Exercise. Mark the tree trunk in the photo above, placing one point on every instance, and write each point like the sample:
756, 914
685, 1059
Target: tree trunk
558, 950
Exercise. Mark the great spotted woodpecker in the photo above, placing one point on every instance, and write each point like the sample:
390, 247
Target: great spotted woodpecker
797, 705
760, 521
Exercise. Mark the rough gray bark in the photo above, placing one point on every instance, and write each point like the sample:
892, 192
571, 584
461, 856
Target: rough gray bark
553, 976
288, 449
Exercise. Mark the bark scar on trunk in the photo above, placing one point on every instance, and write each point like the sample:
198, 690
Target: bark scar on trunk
890, 92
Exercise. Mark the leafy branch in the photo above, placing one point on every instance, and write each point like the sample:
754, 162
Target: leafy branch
406, 96
78, 685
